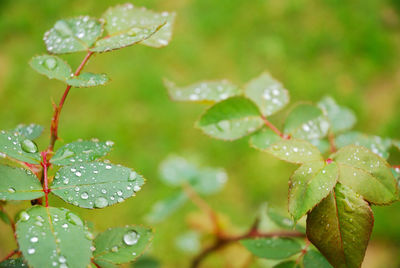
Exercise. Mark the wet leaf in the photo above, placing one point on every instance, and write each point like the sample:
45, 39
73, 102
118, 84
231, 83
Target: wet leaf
340, 227
16, 146
267, 93
209, 180
49, 237
51, 66
294, 151
309, 184
263, 139
81, 151
340, 118
287, 264
376, 144
206, 91
13, 263
147, 262
72, 35
88, 80
231, 119
127, 25
96, 184
283, 222
19, 184
164, 208
272, 248
313, 259
121, 244
31, 131
307, 122
367, 174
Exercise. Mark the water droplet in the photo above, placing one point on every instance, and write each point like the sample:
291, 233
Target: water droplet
11, 190
74, 219
34, 239
114, 249
29, 146
84, 195
132, 176
62, 259
24, 216
31, 251
50, 63
100, 202
63, 28
131, 238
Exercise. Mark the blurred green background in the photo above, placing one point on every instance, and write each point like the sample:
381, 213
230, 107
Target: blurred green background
348, 49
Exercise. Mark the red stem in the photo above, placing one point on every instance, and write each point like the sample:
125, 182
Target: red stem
45, 166
9, 255
274, 128
396, 166
331, 138
95, 264
57, 110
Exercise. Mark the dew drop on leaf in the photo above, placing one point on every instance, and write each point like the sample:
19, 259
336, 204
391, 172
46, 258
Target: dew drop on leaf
131, 238
50, 63
11, 190
74, 219
101, 202
29, 146
24, 216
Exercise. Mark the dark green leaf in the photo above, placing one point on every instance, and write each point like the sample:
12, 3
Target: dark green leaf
122, 244
96, 184
164, 208
267, 93
231, 119
81, 151
19, 184
309, 184
307, 122
126, 19
16, 146
72, 35
367, 174
146, 262
295, 151
88, 80
313, 259
287, 264
4, 217
207, 91
340, 118
272, 248
51, 66
49, 237
376, 144
340, 227
31, 131
13, 263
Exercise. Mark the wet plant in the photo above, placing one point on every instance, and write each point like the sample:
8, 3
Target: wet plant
76, 172
341, 173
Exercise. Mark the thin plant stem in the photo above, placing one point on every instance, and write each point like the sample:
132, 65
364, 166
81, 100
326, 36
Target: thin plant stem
274, 128
57, 109
331, 139
46, 189
9, 255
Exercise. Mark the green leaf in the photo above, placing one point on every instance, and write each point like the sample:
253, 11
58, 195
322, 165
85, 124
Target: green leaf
263, 139
206, 91
396, 144
209, 180
51, 66
322, 145
272, 248
340, 227
13, 263
31, 131
267, 93
340, 118
283, 222
146, 262
176, 170
309, 184
231, 119
294, 151
4, 218
88, 80
96, 184
49, 237
367, 174
81, 151
19, 184
307, 122
164, 208
287, 264
313, 259
122, 244
127, 25
123, 18
376, 144
104, 264
16, 146
72, 35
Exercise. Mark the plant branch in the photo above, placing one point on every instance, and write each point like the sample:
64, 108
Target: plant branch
45, 165
396, 166
274, 128
201, 204
95, 264
57, 109
9, 255
331, 138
